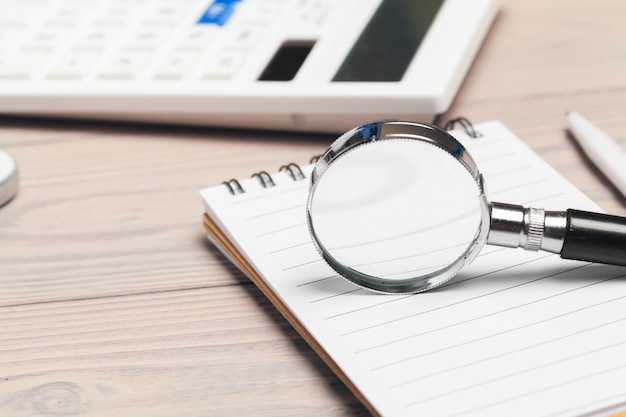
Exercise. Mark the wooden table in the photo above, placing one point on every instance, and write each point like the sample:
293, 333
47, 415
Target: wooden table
112, 302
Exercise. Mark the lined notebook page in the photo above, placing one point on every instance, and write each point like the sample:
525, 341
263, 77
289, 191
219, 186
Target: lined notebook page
516, 333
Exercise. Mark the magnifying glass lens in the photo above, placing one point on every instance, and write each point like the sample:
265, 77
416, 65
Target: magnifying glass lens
396, 215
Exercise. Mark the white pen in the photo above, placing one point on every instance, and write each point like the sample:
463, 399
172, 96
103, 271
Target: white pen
605, 153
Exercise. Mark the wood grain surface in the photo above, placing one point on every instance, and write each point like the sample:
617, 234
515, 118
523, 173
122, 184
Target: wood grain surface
112, 302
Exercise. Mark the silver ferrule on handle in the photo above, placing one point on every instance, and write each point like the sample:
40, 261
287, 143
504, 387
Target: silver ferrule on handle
530, 228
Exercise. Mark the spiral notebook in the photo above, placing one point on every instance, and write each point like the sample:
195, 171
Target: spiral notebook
516, 333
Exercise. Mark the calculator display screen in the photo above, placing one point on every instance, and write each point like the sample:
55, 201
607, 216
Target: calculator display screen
386, 46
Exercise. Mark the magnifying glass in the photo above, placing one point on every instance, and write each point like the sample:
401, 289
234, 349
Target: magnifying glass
401, 207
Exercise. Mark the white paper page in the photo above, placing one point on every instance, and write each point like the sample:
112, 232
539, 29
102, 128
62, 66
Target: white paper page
516, 333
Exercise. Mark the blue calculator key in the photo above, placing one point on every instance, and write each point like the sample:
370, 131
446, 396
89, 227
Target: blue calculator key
218, 12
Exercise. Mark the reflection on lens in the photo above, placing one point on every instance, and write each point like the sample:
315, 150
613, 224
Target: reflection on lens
394, 212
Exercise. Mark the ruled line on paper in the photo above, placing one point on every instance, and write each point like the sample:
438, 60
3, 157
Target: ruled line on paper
369, 263
492, 314
530, 393
531, 369
544, 198
488, 250
397, 298
317, 281
412, 232
440, 307
310, 262
601, 401
260, 197
508, 353
280, 230
270, 213
337, 295
413, 255
290, 247
510, 330
517, 187
495, 157
507, 171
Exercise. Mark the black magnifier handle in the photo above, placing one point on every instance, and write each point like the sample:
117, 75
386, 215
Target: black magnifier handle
574, 234
595, 237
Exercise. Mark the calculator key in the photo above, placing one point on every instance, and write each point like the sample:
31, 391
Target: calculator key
99, 37
147, 36
72, 11
30, 10
198, 38
24, 64
11, 24
176, 66
224, 66
314, 12
244, 37
50, 35
74, 65
167, 11
125, 65
120, 11
217, 13
259, 12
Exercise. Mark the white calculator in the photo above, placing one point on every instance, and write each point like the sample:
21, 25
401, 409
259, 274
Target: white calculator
316, 65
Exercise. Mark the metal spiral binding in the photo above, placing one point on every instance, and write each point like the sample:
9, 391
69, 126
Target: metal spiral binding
293, 170
466, 124
314, 159
265, 179
296, 174
234, 186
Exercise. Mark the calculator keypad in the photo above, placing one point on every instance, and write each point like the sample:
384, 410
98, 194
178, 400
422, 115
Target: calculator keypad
123, 40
